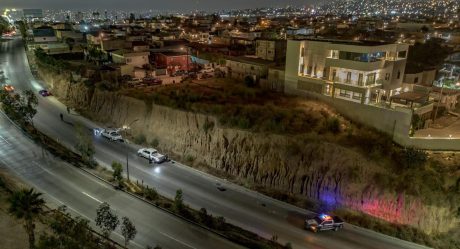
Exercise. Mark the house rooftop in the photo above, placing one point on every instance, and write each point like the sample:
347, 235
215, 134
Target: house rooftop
416, 97
250, 60
346, 42
172, 53
127, 52
43, 31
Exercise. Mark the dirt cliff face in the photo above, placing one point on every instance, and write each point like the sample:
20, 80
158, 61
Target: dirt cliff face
302, 165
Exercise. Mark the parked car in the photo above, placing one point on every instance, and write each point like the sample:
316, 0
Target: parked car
208, 70
44, 93
151, 81
112, 135
324, 222
8, 88
179, 73
152, 154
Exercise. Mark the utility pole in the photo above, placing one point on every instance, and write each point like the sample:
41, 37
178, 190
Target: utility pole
439, 101
127, 149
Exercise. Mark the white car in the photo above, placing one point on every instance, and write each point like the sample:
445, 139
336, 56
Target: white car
207, 70
112, 135
152, 154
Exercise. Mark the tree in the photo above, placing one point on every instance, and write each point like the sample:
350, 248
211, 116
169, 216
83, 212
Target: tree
411, 158
117, 170
68, 232
132, 18
20, 108
178, 200
249, 81
430, 54
128, 230
205, 218
27, 205
23, 27
70, 42
85, 145
333, 125
28, 108
4, 25
94, 54
106, 220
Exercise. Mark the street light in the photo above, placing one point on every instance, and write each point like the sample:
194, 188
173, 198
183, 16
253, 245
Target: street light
439, 101
127, 149
188, 67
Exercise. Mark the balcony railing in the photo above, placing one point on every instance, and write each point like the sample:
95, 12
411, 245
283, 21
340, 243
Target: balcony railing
356, 83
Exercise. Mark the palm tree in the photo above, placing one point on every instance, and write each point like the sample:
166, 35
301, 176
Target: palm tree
27, 205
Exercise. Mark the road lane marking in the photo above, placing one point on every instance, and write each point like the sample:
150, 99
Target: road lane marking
183, 243
4, 140
92, 197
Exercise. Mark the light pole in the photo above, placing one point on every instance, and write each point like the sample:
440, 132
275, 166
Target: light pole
188, 66
439, 101
127, 149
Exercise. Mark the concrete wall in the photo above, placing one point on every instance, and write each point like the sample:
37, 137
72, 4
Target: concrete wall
395, 123
434, 143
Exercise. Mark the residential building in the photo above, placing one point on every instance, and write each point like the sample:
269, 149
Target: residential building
113, 44
445, 98
275, 81
300, 31
242, 67
272, 50
32, 14
173, 61
140, 46
424, 78
129, 57
63, 34
358, 71
44, 34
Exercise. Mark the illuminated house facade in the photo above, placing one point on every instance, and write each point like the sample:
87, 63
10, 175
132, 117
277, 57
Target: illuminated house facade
358, 71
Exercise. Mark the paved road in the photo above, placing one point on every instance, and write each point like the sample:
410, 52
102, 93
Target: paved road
63, 184
240, 206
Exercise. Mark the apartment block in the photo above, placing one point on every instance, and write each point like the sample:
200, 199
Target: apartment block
272, 50
358, 71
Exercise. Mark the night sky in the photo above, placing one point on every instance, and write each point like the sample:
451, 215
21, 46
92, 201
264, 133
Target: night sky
150, 4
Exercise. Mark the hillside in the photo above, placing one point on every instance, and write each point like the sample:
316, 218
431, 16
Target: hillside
299, 150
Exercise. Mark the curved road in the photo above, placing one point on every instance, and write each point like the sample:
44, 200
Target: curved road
238, 205
63, 184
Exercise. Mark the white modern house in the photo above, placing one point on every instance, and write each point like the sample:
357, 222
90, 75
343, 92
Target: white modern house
360, 71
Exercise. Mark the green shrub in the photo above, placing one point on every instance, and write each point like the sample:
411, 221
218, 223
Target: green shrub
333, 125
117, 171
244, 123
249, 81
189, 158
2, 183
179, 201
151, 193
410, 158
205, 218
208, 125
154, 142
140, 139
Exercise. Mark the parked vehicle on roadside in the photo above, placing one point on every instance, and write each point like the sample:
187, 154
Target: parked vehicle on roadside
7, 87
152, 154
44, 93
179, 73
208, 70
111, 134
151, 81
324, 222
